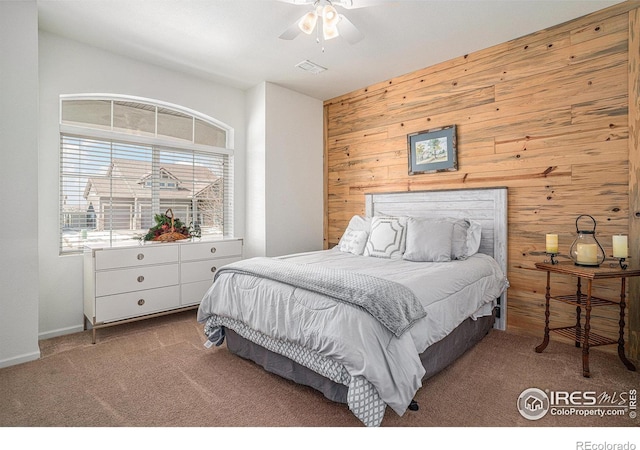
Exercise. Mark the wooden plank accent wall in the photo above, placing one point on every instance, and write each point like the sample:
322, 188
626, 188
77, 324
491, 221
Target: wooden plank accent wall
546, 115
634, 176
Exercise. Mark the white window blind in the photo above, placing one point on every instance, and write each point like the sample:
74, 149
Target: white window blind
111, 189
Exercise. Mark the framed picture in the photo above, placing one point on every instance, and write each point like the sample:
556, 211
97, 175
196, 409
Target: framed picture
433, 151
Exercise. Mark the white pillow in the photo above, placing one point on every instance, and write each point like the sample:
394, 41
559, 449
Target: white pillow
428, 240
357, 223
353, 241
387, 238
473, 237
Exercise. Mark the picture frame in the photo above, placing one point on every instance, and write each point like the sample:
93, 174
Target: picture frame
433, 150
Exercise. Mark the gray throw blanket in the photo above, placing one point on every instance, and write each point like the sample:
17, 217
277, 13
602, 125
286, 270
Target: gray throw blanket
392, 304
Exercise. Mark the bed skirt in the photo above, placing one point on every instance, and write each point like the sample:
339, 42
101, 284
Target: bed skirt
435, 358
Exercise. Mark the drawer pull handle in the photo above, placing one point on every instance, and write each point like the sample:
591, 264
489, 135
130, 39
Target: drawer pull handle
140, 279
140, 256
213, 269
213, 249
141, 302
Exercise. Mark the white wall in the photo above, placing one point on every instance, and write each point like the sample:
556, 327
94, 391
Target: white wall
18, 182
294, 168
256, 215
68, 67
40, 291
284, 172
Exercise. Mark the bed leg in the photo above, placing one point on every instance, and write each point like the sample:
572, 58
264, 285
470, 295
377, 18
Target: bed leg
413, 406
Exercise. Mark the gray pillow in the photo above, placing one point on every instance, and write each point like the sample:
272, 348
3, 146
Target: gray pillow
459, 244
429, 240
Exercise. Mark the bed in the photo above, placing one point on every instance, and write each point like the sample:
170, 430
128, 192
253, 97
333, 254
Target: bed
409, 288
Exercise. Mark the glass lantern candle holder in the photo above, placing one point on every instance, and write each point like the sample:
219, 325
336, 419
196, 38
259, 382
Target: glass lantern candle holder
585, 249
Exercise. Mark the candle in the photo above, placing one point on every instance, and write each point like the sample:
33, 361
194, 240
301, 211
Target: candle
587, 254
552, 243
620, 246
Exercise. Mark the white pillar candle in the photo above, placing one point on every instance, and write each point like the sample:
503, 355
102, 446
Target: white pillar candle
620, 246
552, 243
587, 254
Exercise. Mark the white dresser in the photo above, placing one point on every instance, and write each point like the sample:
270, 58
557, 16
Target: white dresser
127, 283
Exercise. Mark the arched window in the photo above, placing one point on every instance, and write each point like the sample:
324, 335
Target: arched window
125, 159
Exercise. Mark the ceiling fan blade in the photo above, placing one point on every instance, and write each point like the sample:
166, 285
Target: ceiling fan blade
291, 32
356, 4
347, 4
349, 31
298, 2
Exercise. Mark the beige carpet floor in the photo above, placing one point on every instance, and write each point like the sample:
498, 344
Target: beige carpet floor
157, 373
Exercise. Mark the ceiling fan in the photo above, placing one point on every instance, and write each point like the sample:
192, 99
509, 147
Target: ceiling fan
325, 20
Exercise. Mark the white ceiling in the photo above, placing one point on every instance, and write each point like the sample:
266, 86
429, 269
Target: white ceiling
236, 42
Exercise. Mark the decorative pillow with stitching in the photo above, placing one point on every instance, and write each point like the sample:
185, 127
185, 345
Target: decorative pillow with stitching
428, 240
387, 238
353, 241
357, 223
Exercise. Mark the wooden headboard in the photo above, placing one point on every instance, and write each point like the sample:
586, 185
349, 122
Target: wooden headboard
485, 205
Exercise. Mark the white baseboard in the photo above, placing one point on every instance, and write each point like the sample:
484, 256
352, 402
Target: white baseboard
20, 359
60, 332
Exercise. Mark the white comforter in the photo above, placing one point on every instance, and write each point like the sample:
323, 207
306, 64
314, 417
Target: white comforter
450, 292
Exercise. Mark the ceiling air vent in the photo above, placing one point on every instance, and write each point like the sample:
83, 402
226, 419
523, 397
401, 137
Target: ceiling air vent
310, 66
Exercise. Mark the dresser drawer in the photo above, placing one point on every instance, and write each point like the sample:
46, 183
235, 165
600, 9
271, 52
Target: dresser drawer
136, 256
110, 282
202, 270
135, 282
192, 293
132, 304
210, 249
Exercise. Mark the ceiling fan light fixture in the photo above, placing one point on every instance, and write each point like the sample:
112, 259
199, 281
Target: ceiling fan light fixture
332, 24
329, 16
308, 22
330, 19
329, 32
